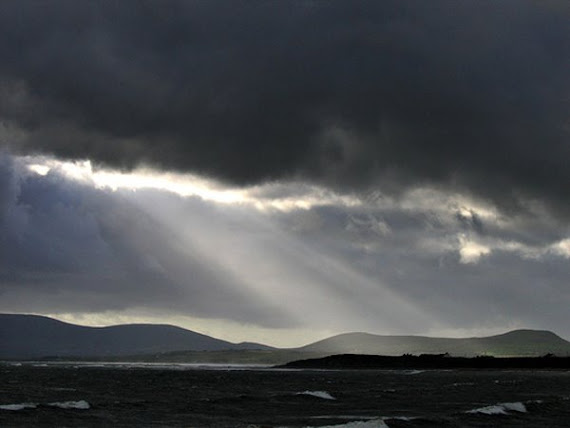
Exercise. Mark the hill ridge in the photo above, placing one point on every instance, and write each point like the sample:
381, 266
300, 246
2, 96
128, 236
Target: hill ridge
510, 332
37, 336
523, 342
28, 336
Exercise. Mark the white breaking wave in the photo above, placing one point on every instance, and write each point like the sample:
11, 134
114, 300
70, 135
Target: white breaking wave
375, 423
320, 394
500, 409
79, 405
413, 372
19, 406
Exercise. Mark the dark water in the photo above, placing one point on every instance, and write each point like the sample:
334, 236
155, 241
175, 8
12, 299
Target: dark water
177, 396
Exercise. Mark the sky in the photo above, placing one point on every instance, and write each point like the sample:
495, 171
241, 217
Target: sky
284, 171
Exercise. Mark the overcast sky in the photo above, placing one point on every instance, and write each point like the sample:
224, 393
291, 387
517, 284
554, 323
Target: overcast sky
281, 171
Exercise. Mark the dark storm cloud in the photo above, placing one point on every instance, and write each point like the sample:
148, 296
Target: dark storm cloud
472, 94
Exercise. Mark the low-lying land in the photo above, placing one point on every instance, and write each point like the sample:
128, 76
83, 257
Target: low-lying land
426, 362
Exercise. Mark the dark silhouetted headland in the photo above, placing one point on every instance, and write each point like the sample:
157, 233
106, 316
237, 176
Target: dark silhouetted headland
427, 362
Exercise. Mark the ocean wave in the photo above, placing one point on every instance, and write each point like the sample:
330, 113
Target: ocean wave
320, 394
401, 418
345, 417
374, 423
500, 409
78, 405
19, 406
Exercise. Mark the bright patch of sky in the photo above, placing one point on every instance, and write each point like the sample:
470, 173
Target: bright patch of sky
188, 185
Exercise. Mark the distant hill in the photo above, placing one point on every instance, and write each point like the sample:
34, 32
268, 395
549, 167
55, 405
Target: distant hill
32, 336
514, 343
35, 337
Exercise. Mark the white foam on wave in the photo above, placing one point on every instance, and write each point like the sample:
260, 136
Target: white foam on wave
516, 407
19, 406
374, 423
413, 372
489, 410
80, 405
320, 394
500, 409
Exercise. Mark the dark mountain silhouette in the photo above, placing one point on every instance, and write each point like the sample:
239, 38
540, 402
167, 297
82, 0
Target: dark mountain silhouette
514, 343
32, 336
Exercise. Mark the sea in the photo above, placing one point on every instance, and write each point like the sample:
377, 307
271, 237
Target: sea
40, 394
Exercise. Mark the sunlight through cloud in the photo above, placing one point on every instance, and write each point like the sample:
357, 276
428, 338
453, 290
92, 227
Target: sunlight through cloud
188, 185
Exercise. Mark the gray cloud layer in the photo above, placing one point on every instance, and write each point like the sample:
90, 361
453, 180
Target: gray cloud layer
467, 94
428, 261
68, 247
